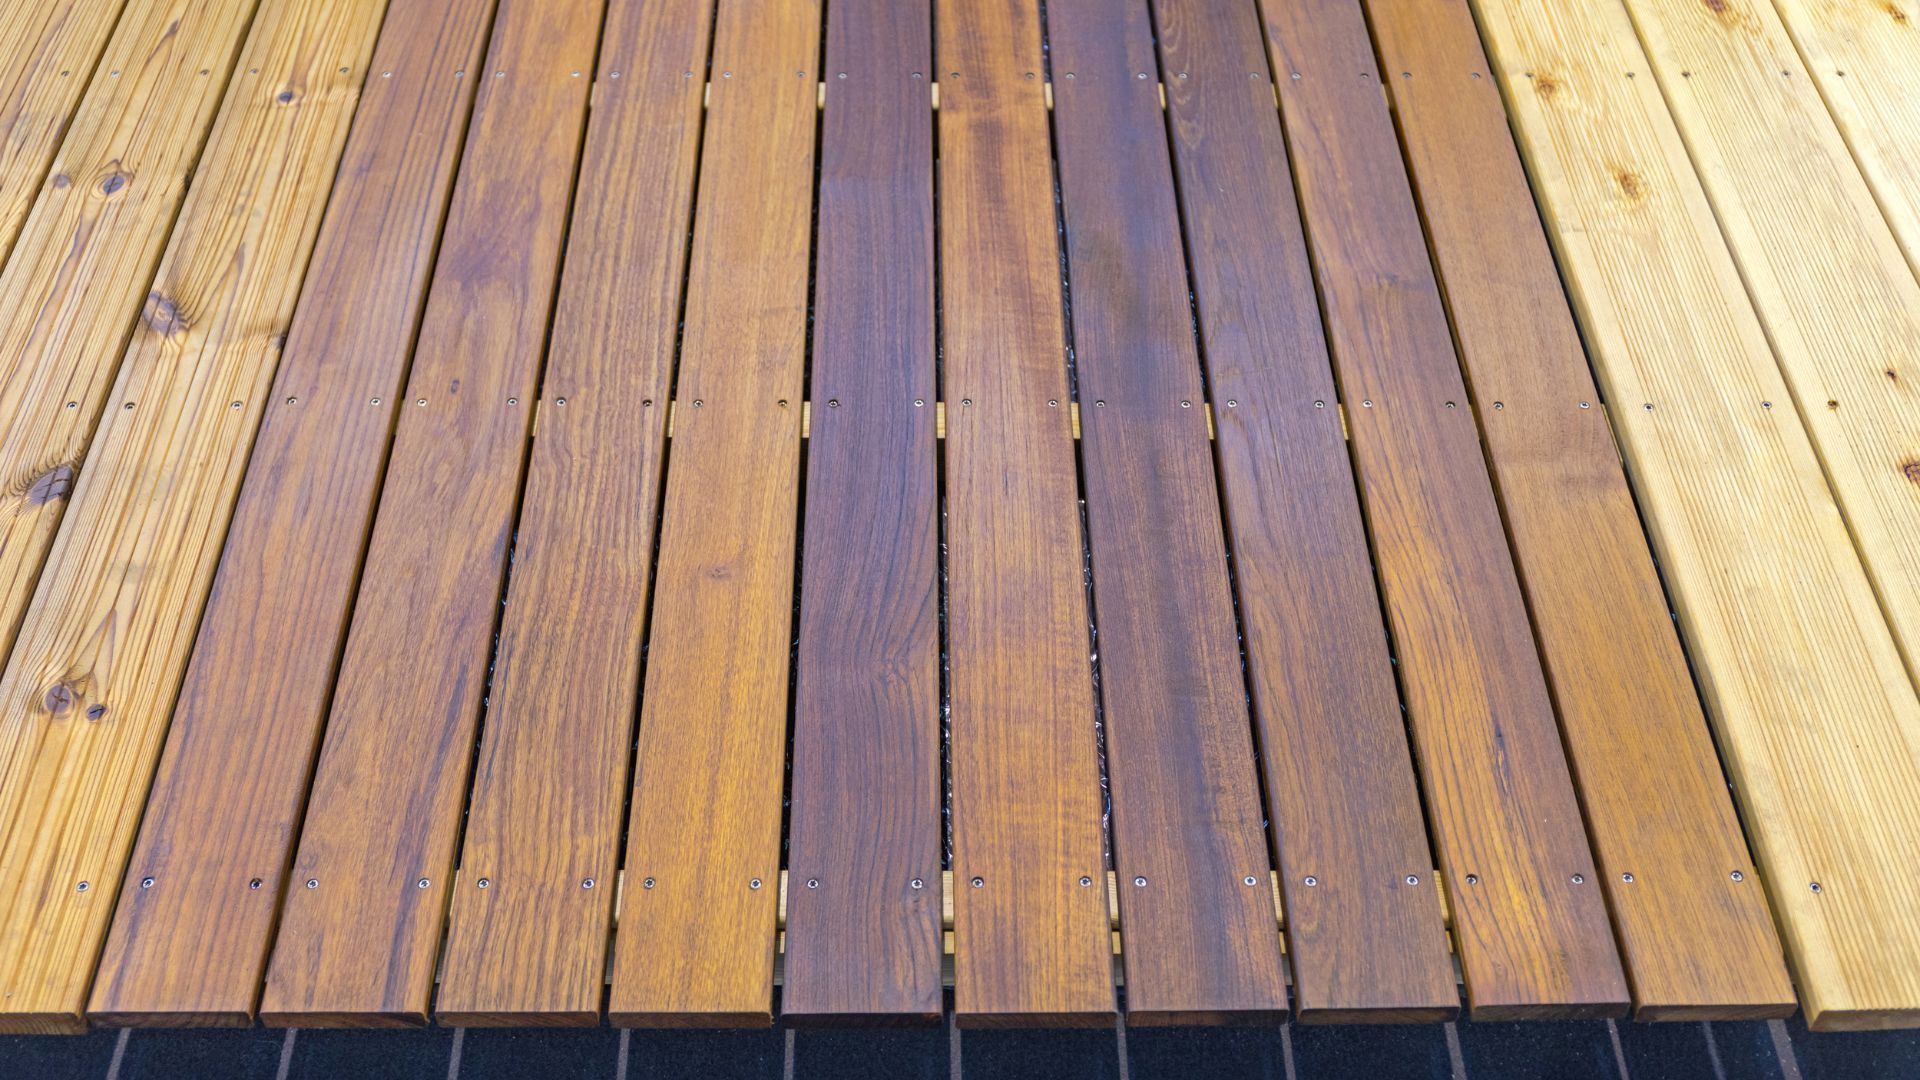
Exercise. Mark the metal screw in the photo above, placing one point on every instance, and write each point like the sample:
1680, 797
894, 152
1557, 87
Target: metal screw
919, 402
1579, 879
1186, 404
697, 403
1140, 882
1628, 878
1319, 404
375, 401
1766, 404
1413, 879
1053, 403
916, 882
1367, 404
234, 405
754, 884
83, 886
1249, 880
73, 404
1586, 404
1450, 405
254, 884
586, 883
146, 883
966, 401
420, 401
977, 882
647, 884
1499, 404
1473, 879
1815, 886
813, 883
1232, 404
313, 883
422, 883
1738, 876
1100, 404
833, 403
1311, 880
1085, 881
560, 402
483, 883
293, 401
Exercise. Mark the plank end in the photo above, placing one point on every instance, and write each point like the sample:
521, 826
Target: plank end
118, 1017
1548, 1010
1823, 1020
705, 1021
509, 1018
1725, 1010
1438, 1013
1091, 1018
42, 1022
299, 1018
1207, 1017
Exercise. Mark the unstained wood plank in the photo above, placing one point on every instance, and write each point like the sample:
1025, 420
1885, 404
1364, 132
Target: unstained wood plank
863, 936
1344, 806
91, 683
544, 822
191, 948
361, 924
697, 919
1529, 920
1688, 911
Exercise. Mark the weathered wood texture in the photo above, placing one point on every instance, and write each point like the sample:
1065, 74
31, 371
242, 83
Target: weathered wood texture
1342, 799
1817, 717
91, 683
1196, 901
863, 918
1697, 941
1031, 934
232, 781
1529, 920
364, 910
697, 932
545, 818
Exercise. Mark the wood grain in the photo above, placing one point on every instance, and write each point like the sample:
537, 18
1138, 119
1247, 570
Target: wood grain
1196, 909
862, 940
1031, 938
232, 781
1340, 785
696, 947
1529, 920
364, 911
544, 821
1697, 942
89, 688
1816, 715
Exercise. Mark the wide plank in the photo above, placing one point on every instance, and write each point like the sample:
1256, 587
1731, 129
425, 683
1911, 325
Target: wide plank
696, 940
544, 821
1196, 902
1697, 938
1031, 934
1341, 795
365, 907
90, 686
863, 937
191, 948
1529, 920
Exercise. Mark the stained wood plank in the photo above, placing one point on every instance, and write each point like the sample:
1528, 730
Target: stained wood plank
1196, 905
545, 817
1817, 717
91, 682
366, 904
862, 939
1529, 920
192, 947
696, 937
1340, 786
1697, 940
1031, 938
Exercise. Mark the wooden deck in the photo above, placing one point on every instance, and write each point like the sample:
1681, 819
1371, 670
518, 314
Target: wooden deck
528, 512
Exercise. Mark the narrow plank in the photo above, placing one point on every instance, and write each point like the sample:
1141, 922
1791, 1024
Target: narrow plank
47, 53
1817, 719
1342, 799
1697, 941
1196, 905
696, 938
1529, 919
544, 821
864, 943
1031, 939
192, 947
91, 683
365, 907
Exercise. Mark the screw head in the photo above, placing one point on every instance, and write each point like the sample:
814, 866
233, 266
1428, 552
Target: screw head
83, 886
483, 883
1140, 882
1249, 880
1814, 886
813, 883
1413, 879
917, 884
587, 883
1738, 876
977, 882
1628, 878
254, 884
754, 884
313, 883
1578, 879
422, 883
1312, 881
1473, 879
146, 883
1085, 881
647, 884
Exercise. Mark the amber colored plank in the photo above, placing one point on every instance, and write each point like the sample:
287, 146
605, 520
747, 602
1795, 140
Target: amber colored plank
545, 817
1697, 937
1031, 938
89, 688
1816, 714
1196, 907
696, 939
863, 915
1345, 809
366, 903
1529, 919
191, 948
47, 53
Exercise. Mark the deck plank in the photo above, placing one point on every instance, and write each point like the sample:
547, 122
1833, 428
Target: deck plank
1340, 782
1196, 901
1817, 718
365, 907
1529, 921
696, 947
1031, 931
192, 949
90, 686
544, 822
1697, 942
865, 822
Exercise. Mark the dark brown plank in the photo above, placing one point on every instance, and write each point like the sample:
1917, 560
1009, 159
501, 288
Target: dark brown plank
1196, 899
863, 899
366, 905
1340, 784
1529, 920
